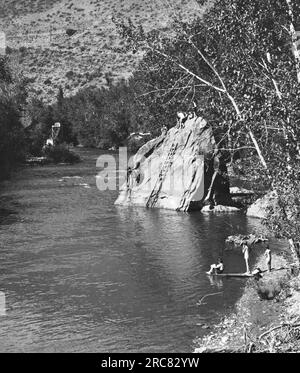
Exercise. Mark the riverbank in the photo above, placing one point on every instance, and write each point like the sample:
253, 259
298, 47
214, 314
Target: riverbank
266, 317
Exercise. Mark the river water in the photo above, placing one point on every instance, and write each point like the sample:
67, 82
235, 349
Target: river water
78, 274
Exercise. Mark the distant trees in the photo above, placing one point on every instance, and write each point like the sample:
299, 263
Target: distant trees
40, 127
94, 117
42, 119
12, 104
103, 117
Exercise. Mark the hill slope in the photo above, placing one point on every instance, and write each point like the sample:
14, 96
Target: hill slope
71, 42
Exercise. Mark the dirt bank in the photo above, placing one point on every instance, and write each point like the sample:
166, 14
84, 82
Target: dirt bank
271, 302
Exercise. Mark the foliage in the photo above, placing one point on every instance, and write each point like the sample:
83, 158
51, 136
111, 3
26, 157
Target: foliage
269, 289
38, 132
285, 220
60, 154
42, 118
101, 118
12, 101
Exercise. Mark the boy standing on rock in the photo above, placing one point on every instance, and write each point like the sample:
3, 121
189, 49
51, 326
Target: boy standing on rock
268, 258
245, 250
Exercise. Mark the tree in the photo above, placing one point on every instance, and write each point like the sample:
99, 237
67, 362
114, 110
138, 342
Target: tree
12, 102
60, 115
42, 119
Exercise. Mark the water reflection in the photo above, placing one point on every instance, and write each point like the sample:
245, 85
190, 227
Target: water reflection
216, 281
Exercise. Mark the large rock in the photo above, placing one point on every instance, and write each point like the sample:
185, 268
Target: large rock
259, 209
175, 171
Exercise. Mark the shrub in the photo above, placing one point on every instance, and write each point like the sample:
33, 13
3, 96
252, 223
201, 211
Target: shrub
12, 98
268, 290
61, 154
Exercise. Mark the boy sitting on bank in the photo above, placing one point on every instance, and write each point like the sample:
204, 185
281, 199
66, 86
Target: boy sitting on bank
216, 269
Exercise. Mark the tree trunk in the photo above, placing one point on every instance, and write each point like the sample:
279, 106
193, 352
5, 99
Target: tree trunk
239, 116
294, 39
294, 251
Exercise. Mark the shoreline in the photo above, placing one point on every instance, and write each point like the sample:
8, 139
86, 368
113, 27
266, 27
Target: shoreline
254, 318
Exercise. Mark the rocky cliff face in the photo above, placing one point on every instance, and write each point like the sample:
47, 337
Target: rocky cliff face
180, 170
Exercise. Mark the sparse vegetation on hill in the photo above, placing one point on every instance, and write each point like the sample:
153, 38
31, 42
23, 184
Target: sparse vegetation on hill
16, 8
79, 36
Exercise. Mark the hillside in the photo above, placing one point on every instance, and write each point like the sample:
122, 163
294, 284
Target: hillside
71, 42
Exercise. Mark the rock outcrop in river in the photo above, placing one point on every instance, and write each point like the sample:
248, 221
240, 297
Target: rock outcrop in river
259, 209
180, 170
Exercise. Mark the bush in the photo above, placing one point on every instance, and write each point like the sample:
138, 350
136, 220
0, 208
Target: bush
268, 290
104, 144
60, 154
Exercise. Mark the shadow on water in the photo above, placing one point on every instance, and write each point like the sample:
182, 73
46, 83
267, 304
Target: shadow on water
80, 274
8, 214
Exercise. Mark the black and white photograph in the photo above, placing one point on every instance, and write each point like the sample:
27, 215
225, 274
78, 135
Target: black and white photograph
149, 179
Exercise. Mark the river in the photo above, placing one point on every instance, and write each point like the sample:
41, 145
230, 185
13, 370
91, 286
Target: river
78, 274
